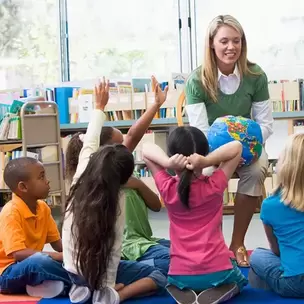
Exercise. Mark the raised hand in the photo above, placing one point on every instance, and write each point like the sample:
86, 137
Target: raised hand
177, 162
196, 161
101, 94
160, 95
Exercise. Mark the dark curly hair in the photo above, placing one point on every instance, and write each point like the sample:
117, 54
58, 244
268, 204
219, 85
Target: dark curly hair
75, 146
94, 203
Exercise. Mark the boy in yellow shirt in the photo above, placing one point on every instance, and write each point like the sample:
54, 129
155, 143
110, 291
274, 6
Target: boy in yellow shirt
26, 226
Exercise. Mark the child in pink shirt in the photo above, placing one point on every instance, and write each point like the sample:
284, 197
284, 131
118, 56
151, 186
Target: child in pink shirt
200, 260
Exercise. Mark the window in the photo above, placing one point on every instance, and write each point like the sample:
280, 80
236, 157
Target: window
123, 38
29, 43
274, 32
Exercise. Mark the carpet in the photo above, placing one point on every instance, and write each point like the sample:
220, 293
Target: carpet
248, 296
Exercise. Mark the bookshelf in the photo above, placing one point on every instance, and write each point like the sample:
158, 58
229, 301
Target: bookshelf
163, 122
41, 139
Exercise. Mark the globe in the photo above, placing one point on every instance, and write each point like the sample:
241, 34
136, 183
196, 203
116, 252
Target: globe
246, 131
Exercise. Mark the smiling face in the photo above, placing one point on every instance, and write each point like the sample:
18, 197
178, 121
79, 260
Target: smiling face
227, 45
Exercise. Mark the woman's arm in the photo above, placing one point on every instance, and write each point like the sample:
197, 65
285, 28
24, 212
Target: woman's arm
262, 114
137, 131
196, 108
92, 136
197, 115
150, 197
261, 108
272, 240
228, 156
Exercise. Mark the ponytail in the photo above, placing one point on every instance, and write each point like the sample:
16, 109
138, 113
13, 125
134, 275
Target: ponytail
184, 187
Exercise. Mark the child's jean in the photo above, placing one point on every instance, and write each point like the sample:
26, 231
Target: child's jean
206, 281
158, 256
266, 273
128, 272
32, 271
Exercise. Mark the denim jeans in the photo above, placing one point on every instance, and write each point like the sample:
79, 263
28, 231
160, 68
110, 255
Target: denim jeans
128, 272
158, 256
266, 273
32, 271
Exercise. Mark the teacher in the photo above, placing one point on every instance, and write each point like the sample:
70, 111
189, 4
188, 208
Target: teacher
228, 84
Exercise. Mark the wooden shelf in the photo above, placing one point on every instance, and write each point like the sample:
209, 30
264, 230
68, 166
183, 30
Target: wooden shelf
10, 145
122, 124
163, 122
288, 115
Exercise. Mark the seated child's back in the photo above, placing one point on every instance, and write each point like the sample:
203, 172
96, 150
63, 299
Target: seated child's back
196, 233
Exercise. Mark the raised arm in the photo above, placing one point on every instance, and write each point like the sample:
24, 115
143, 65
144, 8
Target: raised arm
137, 131
156, 159
228, 157
92, 137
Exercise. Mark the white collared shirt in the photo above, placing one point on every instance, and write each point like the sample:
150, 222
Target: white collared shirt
261, 111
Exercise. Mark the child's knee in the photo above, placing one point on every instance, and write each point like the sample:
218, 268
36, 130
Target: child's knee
159, 279
39, 260
256, 257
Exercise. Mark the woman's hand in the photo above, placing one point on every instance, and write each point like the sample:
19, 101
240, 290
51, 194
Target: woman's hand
177, 162
160, 95
196, 161
102, 94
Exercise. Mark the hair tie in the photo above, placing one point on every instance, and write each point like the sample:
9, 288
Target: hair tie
81, 137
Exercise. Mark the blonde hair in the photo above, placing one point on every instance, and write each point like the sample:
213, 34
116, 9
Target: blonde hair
290, 175
209, 71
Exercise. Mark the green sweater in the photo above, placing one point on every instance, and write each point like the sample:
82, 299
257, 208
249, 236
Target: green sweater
253, 88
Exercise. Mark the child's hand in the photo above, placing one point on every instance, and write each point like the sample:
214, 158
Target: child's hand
160, 95
196, 161
57, 256
177, 162
102, 94
242, 162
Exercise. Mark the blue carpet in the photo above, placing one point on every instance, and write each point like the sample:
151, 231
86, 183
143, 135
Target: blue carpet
249, 295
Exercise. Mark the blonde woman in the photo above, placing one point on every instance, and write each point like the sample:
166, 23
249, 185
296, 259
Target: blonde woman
281, 268
228, 84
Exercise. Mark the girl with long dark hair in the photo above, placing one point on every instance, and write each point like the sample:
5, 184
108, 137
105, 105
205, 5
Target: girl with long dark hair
94, 220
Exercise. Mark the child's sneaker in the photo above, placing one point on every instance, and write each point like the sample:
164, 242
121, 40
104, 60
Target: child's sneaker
182, 296
218, 294
79, 294
107, 295
47, 289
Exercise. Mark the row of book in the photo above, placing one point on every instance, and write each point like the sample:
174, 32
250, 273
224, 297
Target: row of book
287, 96
129, 99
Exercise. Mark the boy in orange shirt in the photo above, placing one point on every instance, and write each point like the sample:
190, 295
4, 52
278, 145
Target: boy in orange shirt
26, 226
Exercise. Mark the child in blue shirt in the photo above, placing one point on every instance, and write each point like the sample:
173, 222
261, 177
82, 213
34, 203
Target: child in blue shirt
281, 268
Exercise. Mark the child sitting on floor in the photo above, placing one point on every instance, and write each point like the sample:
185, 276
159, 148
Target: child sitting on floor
138, 241
200, 259
98, 232
281, 268
26, 226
